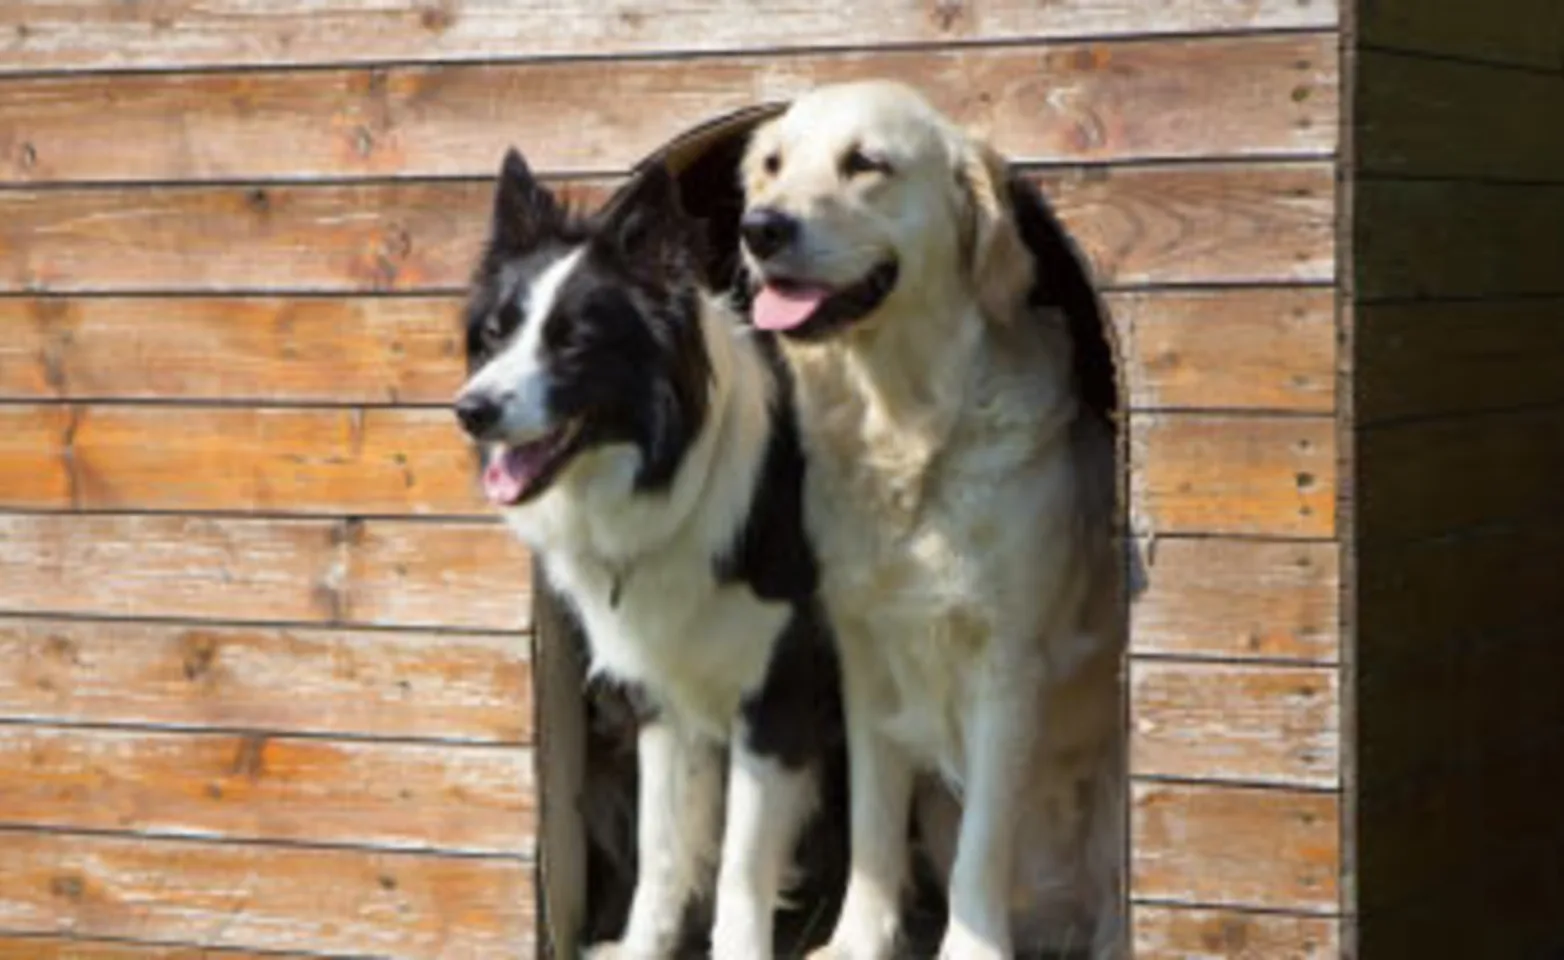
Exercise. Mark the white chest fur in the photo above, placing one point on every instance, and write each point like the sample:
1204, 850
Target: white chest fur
696, 645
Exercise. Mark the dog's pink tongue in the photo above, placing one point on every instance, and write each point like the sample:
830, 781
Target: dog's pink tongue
507, 475
776, 309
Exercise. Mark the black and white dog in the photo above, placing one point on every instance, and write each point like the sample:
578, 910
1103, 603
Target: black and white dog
639, 438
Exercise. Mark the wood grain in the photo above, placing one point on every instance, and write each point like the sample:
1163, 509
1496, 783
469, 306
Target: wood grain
236, 458
1238, 599
1218, 223
1175, 347
1425, 117
1175, 933
1527, 32
72, 948
1256, 724
473, 799
1433, 359
1252, 96
1434, 239
1230, 846
299, 349
1265, 349
1427, 478
43, 34
1217, 474
382, 572
381, 683
266, 897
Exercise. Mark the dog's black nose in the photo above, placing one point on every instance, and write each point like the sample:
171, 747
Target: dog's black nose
766, 231
478, 413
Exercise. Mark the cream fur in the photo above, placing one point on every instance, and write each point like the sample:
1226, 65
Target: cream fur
961, 507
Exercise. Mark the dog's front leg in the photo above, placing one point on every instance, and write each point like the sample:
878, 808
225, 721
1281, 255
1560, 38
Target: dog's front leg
768, 805
999, 742
880, 780
677, 818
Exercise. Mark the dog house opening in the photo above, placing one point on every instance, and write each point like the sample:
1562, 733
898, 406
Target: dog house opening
586, 759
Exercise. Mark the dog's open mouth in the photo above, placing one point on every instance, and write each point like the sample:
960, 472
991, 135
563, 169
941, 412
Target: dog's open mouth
514, 473
808, 311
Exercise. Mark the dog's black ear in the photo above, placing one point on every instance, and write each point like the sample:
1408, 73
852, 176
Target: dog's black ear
524, 210
997, 260
648, 223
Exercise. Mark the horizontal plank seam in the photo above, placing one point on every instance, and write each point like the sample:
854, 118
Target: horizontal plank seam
172, 730
217, 839
300, 626
1301, 913
438, 291
1223, 660
685, 54
1370, 426
1466, 60
575, 177
184, 945
1238, 783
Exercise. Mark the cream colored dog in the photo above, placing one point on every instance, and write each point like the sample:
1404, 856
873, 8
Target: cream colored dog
961, 501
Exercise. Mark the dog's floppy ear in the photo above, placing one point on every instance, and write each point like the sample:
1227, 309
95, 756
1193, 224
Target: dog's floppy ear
524, 210
998, 261
648, 223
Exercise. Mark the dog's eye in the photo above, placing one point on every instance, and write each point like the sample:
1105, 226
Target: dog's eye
772, 163
502, 322
856, 163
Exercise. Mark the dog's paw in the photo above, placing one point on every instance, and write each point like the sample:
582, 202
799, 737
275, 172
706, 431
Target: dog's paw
606, 950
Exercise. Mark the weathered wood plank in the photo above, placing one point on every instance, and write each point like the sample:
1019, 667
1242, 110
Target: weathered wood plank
469, 799
1529, 32
108, 457
1174, 933
73, 948
361, 237
266, 897
1251, 96
1238, 222
299, 349
1441, 118
1426, 478
1238, 599
1257, 724
383, 683
407, 349
1217, 223
1264, 349
1431, 358
1230, 846
380, 572
1215, 474
1444, 239
47, 34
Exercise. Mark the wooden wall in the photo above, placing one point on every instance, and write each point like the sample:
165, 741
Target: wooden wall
264, 682
1459, 340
